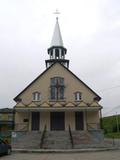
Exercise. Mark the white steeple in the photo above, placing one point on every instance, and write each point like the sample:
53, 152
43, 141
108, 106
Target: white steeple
57, 51
57, 38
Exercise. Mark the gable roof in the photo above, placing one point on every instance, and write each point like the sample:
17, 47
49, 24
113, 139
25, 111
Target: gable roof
17, 97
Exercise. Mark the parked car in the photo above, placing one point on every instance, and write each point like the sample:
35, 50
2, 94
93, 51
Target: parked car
5, 148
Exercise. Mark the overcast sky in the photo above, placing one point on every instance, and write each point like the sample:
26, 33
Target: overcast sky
91, 34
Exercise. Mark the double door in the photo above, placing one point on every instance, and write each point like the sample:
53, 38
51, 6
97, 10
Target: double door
57, 120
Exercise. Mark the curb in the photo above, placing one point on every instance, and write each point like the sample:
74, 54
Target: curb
64, 151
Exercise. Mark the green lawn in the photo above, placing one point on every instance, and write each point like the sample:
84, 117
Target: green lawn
110, 126
112, 135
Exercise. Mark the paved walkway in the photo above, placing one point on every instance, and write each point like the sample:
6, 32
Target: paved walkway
104, 155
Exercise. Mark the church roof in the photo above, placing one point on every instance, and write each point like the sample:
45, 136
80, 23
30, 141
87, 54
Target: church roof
17, 97
57, 38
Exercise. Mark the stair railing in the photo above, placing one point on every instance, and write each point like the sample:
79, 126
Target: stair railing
71, 137
42, 137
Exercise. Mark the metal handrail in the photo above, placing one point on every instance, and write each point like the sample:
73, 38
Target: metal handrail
42, 137
71, 137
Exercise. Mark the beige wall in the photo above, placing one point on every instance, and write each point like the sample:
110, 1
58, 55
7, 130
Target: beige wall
92, 118
44, 120
70, 120
20, 116
19, 120
72, 85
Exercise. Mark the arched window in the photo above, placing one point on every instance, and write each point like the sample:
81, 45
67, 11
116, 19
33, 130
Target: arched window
57, 88
36, 96
78, 96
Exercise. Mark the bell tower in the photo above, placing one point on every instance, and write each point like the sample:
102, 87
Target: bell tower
57, 51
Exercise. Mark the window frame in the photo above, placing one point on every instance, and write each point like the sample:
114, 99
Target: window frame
36, 96
57, 88
78, 96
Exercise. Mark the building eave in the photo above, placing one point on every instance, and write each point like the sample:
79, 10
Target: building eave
58, 109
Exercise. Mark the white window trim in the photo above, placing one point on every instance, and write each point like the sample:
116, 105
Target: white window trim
36, 96
78, 96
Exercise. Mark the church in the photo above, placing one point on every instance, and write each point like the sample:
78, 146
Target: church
57, 100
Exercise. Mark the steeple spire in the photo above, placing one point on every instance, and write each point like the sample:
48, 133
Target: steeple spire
57, 38
57, 51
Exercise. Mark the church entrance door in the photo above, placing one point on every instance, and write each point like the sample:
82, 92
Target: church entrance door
57, 120
35, 121
79, 124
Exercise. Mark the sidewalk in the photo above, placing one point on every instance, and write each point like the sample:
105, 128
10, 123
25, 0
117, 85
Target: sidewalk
64, 150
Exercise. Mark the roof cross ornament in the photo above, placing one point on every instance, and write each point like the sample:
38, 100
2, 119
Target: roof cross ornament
56, 13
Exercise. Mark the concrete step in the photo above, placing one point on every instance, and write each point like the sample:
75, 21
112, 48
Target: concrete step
81, 137
27, 140
86, 139
57, 140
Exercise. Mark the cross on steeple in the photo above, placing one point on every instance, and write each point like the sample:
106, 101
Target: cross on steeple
56, 13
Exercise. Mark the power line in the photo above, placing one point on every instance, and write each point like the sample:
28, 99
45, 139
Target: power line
106, 89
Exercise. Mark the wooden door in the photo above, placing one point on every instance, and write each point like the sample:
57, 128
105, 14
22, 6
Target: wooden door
35, 121
79, 122
57, 120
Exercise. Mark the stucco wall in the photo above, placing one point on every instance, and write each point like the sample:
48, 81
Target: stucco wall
20, 116
70, 120
91, 118
44, 120
19, 120
72, 85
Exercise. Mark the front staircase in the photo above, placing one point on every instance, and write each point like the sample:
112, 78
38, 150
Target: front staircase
81, 139
56, 140
27, 140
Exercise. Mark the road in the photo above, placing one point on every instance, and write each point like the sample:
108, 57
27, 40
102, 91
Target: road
105, 155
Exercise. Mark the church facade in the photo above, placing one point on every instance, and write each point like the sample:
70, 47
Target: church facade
57, 99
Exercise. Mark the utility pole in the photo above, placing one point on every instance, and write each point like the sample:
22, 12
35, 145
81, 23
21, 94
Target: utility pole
117, 122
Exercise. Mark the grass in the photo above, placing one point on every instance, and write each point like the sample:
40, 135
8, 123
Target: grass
110, 126
112, 135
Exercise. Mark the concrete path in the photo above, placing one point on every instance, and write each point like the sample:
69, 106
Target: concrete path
104, 155
65, 150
